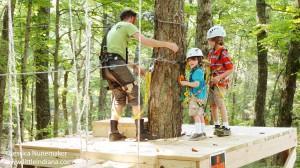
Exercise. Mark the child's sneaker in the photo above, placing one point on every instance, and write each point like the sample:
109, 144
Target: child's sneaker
223, 132
218, 128
197, 136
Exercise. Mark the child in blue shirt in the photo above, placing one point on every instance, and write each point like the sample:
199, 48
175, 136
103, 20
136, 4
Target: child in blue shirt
198, 92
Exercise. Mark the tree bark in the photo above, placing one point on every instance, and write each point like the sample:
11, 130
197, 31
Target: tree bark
56, 64
3, 62
204, 23
41, 57
262, 55
165, 110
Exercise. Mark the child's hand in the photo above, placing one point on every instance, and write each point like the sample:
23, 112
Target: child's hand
184, 83
216, 80
200, 101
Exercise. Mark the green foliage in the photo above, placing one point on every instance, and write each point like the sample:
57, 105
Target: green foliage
237, 16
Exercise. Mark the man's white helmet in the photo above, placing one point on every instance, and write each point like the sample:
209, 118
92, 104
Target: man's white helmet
194, 52
216, 31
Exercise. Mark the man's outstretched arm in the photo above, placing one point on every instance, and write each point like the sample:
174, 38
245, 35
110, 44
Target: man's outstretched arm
155, 43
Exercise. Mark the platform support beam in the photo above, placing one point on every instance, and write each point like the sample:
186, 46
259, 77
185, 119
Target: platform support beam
290, 161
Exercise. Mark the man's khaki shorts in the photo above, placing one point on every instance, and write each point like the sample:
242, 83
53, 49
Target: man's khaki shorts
217, 95
121, 97
195, 107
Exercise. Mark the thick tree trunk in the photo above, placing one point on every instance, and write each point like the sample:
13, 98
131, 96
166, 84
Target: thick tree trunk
165, 110
285, 117
41, 56
290, 79
262, 55
204, 22
3, 62
56, 64
24, 67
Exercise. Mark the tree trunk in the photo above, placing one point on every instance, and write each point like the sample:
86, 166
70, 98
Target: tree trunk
24, 67
41, 56
91, 110
165, 110
32, 113
56, 64
290, 78
3, 62
64, 103
65, 91
262, 55
103, 83
204, 23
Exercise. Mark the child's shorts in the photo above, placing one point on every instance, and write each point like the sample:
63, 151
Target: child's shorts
195, 107
217, 95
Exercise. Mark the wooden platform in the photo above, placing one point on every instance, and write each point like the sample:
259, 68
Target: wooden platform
246, 145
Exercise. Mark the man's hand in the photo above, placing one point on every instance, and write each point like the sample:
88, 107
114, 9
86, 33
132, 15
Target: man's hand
137, 68
172, 46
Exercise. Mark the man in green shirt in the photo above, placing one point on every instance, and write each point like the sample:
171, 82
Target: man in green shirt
120, 79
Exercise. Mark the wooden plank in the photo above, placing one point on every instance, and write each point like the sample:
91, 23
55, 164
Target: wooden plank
256, 151
290, 161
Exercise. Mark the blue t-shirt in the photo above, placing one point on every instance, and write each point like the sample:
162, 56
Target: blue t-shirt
200, 92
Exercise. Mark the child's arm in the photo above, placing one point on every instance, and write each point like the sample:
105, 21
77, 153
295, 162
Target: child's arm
217, 79
190, 84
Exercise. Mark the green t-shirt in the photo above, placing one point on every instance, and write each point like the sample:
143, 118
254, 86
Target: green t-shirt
119, 36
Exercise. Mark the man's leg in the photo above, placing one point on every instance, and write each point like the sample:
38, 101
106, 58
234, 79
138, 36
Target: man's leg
133, 99
118, 104
116, 110
141, 133
136, 110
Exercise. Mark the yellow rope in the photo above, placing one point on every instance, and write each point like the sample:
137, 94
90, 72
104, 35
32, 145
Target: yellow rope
187, 90
147, 87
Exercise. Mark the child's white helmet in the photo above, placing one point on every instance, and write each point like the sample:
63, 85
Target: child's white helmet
216, 31
194, 52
